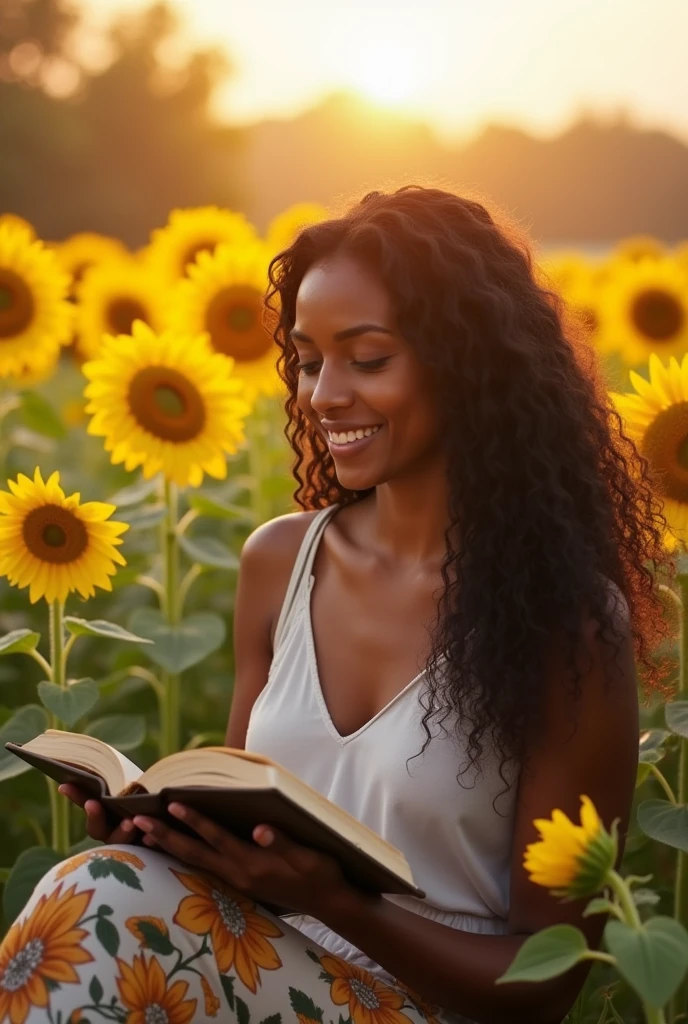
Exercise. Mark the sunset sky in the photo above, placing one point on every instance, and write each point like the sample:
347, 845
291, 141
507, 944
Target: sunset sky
456, 63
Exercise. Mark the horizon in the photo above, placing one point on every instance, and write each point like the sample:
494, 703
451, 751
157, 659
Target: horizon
520, 65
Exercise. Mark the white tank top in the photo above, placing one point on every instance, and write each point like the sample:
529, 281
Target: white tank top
457, 843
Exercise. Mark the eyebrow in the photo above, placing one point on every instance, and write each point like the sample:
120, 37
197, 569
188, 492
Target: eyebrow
348, 332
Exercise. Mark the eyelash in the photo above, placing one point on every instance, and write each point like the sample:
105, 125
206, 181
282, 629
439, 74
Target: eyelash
369, 366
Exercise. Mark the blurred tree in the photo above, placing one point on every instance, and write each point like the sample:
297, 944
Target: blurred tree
112, 151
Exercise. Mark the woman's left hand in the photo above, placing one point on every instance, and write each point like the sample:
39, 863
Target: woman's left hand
277, 871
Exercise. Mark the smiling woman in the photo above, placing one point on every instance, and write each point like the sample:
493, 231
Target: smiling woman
441, 642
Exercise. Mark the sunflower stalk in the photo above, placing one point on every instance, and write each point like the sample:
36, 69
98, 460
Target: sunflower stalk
170, 699
58, 672
680, 1000
256, 432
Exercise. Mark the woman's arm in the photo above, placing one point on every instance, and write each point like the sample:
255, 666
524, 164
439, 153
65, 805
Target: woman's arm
458, 969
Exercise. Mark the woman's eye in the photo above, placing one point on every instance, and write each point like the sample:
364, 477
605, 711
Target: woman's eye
371, 364
307, 369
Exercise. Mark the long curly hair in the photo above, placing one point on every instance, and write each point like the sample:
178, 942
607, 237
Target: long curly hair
549, 501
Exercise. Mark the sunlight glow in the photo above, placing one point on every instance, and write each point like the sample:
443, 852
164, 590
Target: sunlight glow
387, 71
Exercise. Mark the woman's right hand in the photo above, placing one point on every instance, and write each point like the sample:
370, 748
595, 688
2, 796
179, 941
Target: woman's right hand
97, 825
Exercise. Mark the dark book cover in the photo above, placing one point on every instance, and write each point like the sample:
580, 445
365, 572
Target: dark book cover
239, 811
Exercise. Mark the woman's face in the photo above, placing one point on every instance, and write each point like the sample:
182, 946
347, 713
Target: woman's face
361, 384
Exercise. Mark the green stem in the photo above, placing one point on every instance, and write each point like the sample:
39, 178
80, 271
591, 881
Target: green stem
58, 805
624, 897
680, 1000
45, 665
170, 700
256, 430
663, 782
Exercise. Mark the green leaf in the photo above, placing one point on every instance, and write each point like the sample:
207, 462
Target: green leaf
100, 627
216, 509
154, 938
642, 773
645, 897
208, 551
676, 715
242, 1011
124, 732
179, 647
145, 517
107, 935
598, 906
69, 703
301, 1003
652, 739
95, 989
26, 723
653, 960
134, 494
665, 822
103, 867
27, 871
228, 989
19, 641
547, 954
39, 415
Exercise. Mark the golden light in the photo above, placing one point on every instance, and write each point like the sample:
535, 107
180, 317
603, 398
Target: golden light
387, 71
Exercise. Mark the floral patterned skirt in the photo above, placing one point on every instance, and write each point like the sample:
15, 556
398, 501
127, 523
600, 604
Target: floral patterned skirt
136, 936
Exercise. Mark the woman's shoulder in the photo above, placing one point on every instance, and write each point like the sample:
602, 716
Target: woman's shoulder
274, 545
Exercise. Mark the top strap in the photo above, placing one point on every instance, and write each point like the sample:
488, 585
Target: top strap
301, 572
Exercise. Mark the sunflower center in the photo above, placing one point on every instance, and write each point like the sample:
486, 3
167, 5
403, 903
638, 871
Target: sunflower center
16, 304
190, 255
230, 912
657, 314
665, 446
364, 994
154, 1014
20, 968
233, 320
122, 312
166, 404
54, 534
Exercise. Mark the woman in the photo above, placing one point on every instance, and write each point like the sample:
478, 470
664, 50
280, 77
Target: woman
442, 642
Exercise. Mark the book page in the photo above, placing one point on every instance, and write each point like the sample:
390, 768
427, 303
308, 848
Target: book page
130, 771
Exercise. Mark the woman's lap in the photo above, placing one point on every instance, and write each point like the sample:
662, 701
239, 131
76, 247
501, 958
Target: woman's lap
129, 934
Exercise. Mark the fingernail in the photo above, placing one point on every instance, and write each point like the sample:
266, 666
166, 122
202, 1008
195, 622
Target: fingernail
127, 825
61, 789
177, 810
91, 806
145, 824
265, 837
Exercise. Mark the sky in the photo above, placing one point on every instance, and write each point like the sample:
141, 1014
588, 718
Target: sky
458, 64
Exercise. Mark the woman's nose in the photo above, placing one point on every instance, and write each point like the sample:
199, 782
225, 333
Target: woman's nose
331, 390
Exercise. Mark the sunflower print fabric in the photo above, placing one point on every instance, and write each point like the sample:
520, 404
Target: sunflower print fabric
139, 938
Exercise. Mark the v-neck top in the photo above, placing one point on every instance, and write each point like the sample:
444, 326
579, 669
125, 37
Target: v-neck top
457, 837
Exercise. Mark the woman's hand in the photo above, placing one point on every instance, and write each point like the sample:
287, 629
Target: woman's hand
97, 825
278, 871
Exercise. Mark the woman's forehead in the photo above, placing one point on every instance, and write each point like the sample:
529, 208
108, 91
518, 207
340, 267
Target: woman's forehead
342, 287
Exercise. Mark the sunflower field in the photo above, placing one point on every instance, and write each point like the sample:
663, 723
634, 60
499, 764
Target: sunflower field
141, 442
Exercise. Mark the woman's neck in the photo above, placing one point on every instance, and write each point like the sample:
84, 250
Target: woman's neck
410, 516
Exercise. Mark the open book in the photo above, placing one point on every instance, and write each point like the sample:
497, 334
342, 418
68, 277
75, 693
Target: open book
236, 788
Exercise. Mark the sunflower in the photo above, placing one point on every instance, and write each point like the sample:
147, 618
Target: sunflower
572, 860
80, 252
239, 933
14, 220
656, 418
110, 298
637, 248
369, 1000
212, 1003
424, 1006
283, 229
224, 299
145, 993
122, 856
644, 309
133, 924
35, 316
561, 270
41, 951
190, 232
53, 544
167, 403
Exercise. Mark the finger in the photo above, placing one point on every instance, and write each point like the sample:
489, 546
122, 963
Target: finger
185, 848
73, 793
97, 825
216, 836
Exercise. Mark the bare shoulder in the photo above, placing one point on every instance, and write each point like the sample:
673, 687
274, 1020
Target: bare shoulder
276, 543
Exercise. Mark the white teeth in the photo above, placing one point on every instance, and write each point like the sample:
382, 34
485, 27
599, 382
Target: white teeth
346, 437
